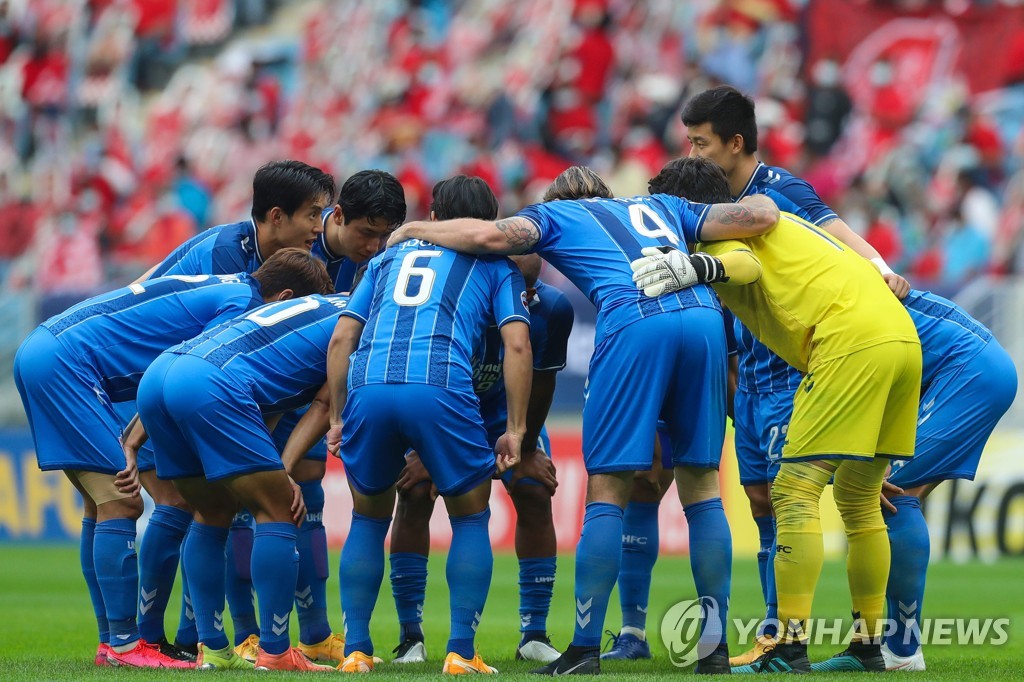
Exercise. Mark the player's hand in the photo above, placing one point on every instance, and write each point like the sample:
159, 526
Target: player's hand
506, 451
413, 473
398, 236
334, 440
897, 285
663, 270
298, 507
889, 490
539, 467
127, 480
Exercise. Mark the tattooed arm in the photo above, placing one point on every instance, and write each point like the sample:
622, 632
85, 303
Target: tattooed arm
749, 217
469, 235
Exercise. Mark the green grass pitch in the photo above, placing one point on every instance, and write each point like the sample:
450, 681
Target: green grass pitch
48, 632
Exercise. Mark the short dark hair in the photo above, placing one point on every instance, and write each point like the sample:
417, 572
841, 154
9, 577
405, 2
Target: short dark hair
295, 269
375, 195
577, 182
288, 185
696, 179
464, 196
729, 111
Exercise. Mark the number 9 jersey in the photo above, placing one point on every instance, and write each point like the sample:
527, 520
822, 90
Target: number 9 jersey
425, 309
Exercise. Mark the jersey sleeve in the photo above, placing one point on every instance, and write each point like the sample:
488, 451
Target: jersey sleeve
540, 215
509, 294
550, 354
362, 298
234, 306
226, 259
806, 202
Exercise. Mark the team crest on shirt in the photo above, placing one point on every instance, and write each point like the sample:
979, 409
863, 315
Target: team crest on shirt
525, 299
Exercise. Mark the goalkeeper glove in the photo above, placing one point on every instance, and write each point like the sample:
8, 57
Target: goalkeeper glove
663, 270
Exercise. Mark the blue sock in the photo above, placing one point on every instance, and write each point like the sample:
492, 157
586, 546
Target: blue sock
409, 587
711, 562
238, 578
361, 573
536, 583
766, 538
904, 595
311, 588
598, 557
639, 552
158, 567
770, 625
469, 568
85, 556
275, 567
117, 571
204, 557
187, 635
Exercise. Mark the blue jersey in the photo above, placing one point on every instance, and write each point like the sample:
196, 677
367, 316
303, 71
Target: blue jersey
592, 242
118, 334
220, 250
341, 269
277, 352
761, 370
949, 336
426, 308
551, 318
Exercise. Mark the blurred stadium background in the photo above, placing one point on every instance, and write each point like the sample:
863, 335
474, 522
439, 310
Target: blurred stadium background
128, 125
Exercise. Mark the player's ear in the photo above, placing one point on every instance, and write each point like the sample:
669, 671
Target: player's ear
338, 215
736, 144
285, 295
433, 216
275, 215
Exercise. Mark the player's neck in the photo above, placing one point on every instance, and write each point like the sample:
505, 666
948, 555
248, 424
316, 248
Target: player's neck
334, 245
741, 173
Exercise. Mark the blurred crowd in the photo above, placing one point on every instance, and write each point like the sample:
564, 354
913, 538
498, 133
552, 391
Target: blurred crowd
131, 124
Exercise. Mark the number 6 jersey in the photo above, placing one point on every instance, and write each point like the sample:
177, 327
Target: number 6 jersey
426, 308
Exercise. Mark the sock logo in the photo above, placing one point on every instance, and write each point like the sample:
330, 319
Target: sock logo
218, 621
583, 612
147, 601
634, 539
189, 613
280, 625
544, 579
476, 621
691, 630
783, 549
304, 598
525, 620
315, 518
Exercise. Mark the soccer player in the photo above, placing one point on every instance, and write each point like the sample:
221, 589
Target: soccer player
409, 386
370, 205
969, 382
824, 310
72, 368
721, 126
287, 201
530, 484
208, 405
631, 384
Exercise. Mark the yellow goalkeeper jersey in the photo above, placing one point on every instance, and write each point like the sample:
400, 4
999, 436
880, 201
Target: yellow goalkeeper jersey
816, 298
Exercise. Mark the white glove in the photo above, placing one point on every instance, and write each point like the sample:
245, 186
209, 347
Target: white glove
661, 272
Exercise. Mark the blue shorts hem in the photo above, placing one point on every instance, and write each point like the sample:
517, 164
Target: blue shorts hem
616, 468
933, 478
78, 466
222, 475
757, 481
468, 483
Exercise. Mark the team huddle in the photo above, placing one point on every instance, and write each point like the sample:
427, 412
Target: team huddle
424, 354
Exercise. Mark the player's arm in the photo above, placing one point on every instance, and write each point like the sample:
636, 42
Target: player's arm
750, 216
663, 270
308, 431
838, 228
343, 344
132, 440
517, 366
146, 275
469, 235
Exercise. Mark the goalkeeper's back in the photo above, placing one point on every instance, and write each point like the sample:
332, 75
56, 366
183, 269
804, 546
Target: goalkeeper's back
815, 296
